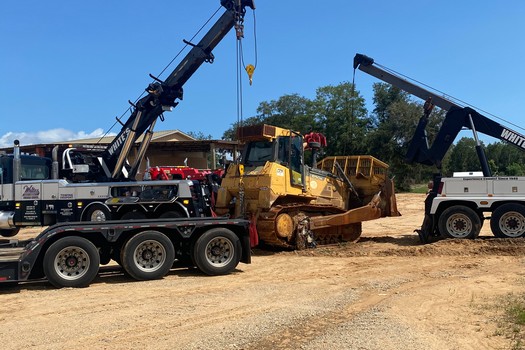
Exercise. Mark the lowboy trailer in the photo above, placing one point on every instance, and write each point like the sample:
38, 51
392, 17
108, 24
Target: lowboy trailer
70, 254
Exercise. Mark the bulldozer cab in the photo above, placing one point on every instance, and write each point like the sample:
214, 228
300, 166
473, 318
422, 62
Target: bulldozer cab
266, 143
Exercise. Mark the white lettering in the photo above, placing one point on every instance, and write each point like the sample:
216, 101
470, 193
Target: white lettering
118, 142
516, 139
505, 134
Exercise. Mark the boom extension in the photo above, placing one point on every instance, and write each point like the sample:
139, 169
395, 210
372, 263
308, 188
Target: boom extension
456, 119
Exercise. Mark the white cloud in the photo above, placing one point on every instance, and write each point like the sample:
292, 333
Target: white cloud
48, 136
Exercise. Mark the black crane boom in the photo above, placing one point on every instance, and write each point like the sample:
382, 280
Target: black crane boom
162, 95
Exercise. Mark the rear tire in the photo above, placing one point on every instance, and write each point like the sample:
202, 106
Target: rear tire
459, 221
508, 221
71, 262
148, 255
172, 214
133, 215
217, 252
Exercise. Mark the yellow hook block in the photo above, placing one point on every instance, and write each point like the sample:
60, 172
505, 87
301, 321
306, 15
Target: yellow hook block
250, 69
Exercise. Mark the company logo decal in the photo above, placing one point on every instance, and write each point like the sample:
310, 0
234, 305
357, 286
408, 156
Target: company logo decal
30, 192
118, 142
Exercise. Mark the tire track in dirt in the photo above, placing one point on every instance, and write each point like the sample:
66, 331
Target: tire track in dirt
422, 294
386, 291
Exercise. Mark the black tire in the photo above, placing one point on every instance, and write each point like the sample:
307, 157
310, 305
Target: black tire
148, 255
133, 215
172, 214
459, 221
217, 252
116, 256
9, 233
71, 262
508, 221
97, 213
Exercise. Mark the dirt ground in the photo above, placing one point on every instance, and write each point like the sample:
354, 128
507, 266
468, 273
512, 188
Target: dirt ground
386, 291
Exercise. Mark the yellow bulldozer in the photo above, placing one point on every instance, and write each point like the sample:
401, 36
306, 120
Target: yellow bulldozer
295, 205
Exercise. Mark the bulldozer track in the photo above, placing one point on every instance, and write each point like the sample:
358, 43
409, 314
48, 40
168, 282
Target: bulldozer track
266, 225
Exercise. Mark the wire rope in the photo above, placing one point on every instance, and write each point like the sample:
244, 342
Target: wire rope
162, 72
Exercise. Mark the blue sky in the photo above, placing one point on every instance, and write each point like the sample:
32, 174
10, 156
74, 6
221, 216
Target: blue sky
68, 68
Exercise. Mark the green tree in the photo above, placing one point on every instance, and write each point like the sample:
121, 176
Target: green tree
506, 157
199, 135
289, 111
395, 119
515, 169
464, 157
342, 115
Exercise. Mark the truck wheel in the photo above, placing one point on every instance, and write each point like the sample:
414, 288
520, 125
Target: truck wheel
172, 214
133, 215
9, 233
508, 221
98, 213
217, 251
71, 262
459, 222
148, 255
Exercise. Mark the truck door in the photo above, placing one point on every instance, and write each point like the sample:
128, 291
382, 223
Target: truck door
296, 160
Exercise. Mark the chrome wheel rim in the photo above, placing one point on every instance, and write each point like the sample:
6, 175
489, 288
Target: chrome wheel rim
71, 263
459, 225
512, 224
98, 215
149, 256
219, 251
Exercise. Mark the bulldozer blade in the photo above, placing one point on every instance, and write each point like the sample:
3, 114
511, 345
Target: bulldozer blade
370, 211
389, 198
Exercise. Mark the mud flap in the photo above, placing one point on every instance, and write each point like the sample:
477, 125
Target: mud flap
425, 231
427, 228
254, 235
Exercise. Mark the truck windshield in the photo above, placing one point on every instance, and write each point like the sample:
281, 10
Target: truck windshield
34, 172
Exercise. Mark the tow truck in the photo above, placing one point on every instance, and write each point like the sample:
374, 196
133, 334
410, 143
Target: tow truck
101, 185
69, 253
456, 207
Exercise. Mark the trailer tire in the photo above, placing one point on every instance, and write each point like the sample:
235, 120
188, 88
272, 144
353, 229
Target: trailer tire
148, 255
217, 251
459, 221
71, 262
508, 221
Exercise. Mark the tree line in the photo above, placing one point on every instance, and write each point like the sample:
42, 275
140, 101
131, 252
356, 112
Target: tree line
340, 113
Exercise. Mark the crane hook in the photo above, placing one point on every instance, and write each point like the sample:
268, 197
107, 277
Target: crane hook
250, 69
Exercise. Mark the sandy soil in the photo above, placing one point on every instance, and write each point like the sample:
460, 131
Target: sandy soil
386, 291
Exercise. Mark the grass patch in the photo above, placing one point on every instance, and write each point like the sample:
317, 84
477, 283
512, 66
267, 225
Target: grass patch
511, 323
419, 188
516, 312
